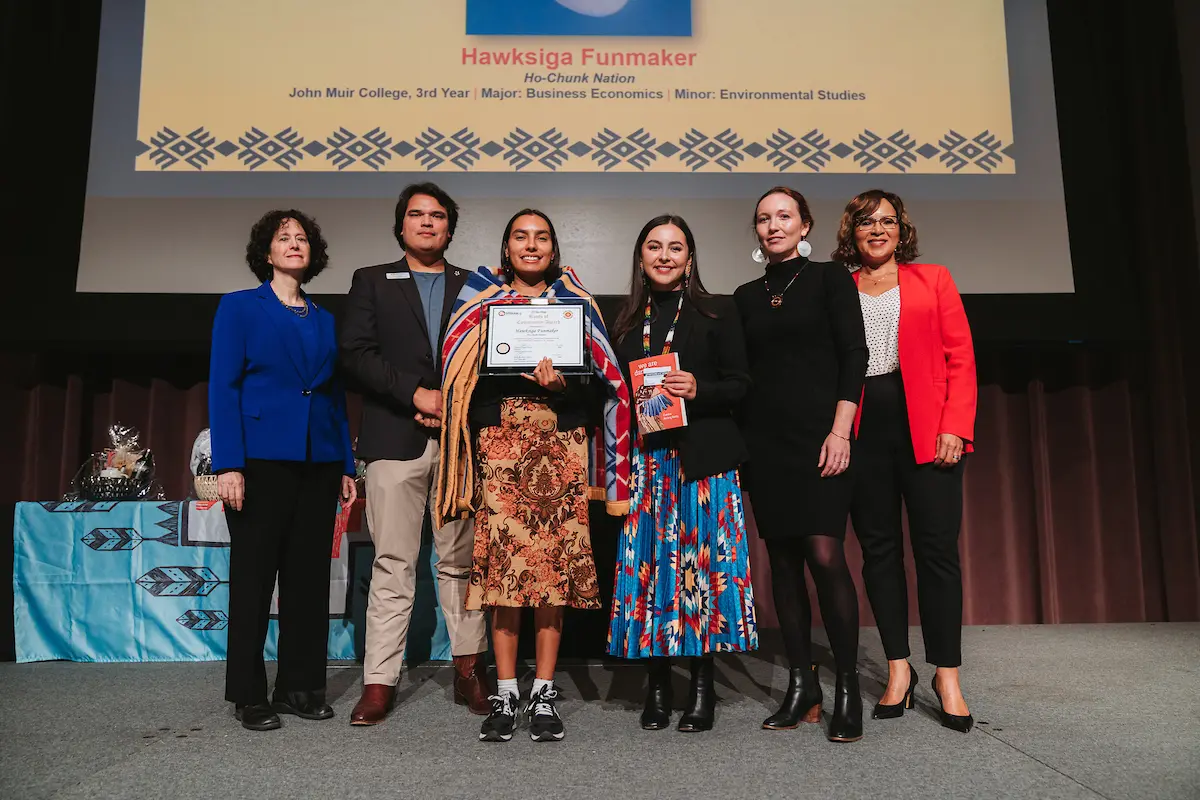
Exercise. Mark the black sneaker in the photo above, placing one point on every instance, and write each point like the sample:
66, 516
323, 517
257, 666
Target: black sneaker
499, 725
544, 723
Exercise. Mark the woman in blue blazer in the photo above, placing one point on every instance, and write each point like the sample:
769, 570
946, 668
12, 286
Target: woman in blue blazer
281, 450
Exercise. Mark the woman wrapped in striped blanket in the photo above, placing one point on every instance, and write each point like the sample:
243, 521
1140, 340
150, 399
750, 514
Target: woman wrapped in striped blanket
525, 454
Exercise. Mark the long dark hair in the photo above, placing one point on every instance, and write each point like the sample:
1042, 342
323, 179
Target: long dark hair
634, 306
553, 271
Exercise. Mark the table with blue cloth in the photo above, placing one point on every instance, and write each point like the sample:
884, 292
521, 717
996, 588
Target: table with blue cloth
148, 581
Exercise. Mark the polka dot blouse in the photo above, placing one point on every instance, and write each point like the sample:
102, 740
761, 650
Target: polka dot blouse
881, 316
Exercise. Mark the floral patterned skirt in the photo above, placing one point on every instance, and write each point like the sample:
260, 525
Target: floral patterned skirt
532, 546
683, 565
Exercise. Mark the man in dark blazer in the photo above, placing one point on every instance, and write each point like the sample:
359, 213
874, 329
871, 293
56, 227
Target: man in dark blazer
391, 340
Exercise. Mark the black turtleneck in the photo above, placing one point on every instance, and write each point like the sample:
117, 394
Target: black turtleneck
665, 305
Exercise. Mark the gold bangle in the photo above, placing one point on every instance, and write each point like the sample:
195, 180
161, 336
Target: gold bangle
835, 433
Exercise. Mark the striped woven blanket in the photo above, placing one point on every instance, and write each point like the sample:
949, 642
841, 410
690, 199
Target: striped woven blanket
608, 464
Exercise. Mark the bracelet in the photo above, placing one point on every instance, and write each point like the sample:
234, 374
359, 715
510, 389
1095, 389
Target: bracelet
835, 433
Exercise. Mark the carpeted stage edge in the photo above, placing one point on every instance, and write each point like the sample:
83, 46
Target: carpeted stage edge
1066, 711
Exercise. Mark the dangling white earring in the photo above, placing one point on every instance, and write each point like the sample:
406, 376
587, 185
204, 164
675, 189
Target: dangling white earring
804, 249
758, 256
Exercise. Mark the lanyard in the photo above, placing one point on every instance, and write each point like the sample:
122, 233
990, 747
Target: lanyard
670, 331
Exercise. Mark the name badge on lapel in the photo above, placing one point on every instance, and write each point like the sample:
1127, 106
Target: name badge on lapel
396, 276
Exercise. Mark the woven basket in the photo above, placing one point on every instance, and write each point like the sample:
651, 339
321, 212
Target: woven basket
97, 487
206, 487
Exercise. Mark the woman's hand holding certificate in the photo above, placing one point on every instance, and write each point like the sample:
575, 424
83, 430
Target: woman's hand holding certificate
546, 376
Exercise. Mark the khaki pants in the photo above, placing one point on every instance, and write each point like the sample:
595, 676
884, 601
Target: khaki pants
398, 494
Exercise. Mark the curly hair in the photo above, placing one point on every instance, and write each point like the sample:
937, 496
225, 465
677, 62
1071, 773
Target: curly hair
263, 233
506, 268
864, 205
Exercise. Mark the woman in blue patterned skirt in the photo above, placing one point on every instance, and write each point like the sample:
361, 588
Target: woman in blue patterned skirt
683, 570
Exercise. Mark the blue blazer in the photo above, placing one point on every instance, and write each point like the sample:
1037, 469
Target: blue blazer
263, 400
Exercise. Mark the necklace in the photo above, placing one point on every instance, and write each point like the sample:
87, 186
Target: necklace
874, 280
777, 299
299, 312
670, 331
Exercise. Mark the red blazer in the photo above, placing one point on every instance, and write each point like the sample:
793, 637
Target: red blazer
937, 359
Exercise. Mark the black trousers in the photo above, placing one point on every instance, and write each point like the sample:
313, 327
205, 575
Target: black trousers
887, 473
285, 529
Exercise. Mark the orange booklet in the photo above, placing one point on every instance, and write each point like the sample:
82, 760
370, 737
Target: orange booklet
657, 410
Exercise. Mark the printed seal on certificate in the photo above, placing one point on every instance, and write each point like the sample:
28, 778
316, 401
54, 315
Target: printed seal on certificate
520, 332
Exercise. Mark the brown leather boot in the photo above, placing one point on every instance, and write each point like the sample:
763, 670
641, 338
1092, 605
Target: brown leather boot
469, 687
374, 705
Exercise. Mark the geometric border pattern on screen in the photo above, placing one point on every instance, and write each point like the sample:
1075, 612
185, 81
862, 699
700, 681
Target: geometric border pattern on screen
377, 150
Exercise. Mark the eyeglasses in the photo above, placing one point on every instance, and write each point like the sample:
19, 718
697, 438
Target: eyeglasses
867, 223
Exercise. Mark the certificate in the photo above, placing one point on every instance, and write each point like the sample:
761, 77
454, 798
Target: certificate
519, 335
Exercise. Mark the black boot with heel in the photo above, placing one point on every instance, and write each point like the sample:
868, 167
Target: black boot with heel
801, 703
657, 713
702, 700
847, 722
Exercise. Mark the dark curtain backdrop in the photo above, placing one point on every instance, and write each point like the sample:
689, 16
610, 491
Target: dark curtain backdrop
1064, 520
1081, 502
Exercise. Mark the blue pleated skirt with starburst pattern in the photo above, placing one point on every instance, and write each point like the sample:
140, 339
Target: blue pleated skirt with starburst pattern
683, 564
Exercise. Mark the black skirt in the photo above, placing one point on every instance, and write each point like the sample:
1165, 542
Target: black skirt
790, 500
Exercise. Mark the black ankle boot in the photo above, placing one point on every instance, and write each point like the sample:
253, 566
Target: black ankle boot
847, 724
703, 700
657, 713
802, 703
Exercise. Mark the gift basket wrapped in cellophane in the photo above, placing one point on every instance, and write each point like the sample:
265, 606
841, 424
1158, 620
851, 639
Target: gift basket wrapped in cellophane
124, 470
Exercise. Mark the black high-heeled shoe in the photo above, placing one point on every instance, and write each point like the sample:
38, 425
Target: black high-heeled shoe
955, 722
846, 724
897, 709
657, 713
703, 701
801, 703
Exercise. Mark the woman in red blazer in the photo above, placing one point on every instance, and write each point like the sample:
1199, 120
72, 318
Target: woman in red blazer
915, 423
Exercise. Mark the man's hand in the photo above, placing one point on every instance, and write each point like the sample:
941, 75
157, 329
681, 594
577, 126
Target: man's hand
428, 402
428, 422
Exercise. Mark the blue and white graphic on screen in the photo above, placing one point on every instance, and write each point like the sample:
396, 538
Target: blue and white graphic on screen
579, 17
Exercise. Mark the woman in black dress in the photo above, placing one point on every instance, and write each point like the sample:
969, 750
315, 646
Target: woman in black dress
808, 358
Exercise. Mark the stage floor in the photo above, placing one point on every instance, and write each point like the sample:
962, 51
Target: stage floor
1071, 711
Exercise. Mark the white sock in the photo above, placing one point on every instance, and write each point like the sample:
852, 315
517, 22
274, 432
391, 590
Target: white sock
539, 684
508, 686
